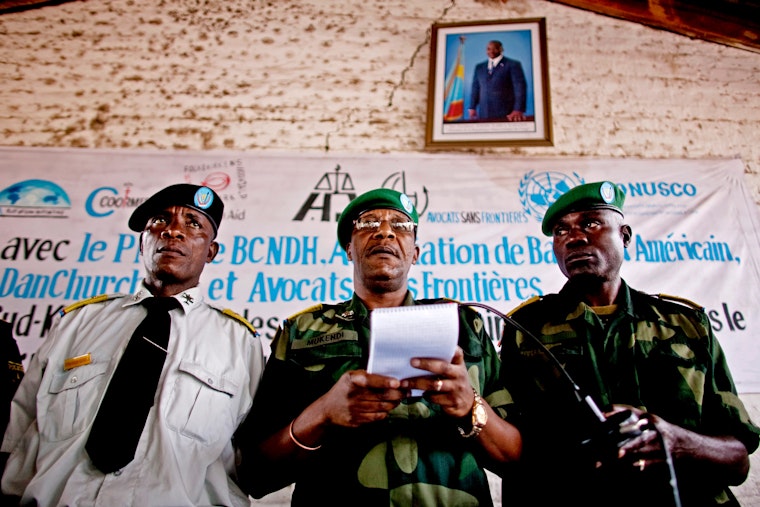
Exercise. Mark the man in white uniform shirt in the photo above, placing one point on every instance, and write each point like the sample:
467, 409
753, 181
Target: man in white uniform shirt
70, 416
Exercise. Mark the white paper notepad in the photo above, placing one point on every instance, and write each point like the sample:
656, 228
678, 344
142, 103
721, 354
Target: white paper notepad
400, 333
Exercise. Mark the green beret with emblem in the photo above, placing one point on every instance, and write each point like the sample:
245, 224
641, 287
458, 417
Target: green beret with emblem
201, 199
380, 198
589, 196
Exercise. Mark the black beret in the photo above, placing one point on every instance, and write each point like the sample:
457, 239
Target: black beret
598, 195
201, 199
379, 198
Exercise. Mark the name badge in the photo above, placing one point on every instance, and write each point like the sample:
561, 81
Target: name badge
326, 339
74, 362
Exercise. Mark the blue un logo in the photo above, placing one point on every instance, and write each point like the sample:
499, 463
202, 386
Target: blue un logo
538, 191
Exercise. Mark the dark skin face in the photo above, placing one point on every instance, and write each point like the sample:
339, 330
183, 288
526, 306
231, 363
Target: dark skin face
382, 258
493, 50
589, 247
176, 245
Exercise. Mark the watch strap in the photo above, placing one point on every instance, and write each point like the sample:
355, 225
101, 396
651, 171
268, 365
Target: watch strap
477, 426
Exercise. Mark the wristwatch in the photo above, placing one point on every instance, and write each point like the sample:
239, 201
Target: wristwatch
479, 417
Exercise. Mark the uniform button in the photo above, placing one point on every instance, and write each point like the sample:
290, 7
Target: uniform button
117, 473
74, 380
211, 382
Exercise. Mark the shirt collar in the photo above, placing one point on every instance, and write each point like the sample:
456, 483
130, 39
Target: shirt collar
575, 308
356, 309
189, 298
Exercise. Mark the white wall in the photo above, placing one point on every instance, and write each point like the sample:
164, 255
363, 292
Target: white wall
351, 76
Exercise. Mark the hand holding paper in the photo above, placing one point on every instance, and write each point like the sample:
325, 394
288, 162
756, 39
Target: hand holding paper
398, 334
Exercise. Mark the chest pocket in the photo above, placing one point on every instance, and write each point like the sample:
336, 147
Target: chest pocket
570, 353
74, 396
202, 404
324, 358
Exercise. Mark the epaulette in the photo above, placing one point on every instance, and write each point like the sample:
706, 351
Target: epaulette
678, 299
523, 304
85, 302
239, 318
310, 309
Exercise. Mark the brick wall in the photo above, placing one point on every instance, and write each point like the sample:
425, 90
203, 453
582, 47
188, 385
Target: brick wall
351, 76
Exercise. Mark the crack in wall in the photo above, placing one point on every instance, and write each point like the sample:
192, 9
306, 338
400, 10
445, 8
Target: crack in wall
402, 79
426, 42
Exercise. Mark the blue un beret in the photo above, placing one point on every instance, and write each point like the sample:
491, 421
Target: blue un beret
201, 199
380, 198
598, 195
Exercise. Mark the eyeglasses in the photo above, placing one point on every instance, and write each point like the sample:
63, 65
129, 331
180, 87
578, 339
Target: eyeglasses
373, 225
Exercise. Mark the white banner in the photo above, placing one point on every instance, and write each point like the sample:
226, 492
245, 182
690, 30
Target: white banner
65, 237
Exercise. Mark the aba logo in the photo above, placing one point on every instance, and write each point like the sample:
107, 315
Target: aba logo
336, 189
34, 198
538, 191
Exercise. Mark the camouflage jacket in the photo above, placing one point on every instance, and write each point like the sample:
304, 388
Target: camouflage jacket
651, 353
415, 457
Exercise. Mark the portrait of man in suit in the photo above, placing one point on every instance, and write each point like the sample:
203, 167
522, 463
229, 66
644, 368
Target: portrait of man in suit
498, 87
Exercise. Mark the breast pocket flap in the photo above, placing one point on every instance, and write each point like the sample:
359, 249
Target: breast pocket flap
74, 378
212, 380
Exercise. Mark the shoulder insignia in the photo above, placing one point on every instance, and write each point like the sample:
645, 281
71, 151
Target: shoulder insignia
523, 304
85, 302
310, 309
678, 299
241, 319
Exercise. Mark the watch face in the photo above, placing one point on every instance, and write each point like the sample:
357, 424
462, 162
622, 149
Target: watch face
479, 415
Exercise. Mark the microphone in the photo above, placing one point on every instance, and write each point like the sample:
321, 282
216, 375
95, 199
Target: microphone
611, 432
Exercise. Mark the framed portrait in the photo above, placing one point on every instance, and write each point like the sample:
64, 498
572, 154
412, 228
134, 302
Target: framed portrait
489, 84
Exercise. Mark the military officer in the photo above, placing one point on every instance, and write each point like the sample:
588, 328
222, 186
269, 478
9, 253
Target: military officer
348, 437
133, 399
684, 436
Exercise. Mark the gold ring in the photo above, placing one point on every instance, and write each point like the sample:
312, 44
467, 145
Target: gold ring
438, 384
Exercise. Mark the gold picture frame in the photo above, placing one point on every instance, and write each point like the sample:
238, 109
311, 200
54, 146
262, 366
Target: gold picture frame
470, 104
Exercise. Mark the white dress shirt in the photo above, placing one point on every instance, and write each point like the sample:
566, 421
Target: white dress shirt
493, 62
185, 455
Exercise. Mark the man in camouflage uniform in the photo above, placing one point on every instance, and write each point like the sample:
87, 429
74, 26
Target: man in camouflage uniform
653, 363
347, 437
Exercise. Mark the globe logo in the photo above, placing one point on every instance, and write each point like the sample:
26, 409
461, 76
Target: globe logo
538, 191
37, 198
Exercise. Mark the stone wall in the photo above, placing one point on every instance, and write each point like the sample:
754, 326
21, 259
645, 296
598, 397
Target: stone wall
351, 76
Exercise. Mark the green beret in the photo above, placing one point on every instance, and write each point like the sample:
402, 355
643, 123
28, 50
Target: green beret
598, 195
380, 198
201, 199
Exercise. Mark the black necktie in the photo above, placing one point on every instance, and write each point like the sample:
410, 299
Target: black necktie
125, 406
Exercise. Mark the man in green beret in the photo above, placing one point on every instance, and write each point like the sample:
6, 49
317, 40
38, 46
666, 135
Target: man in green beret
669, 430
348, 437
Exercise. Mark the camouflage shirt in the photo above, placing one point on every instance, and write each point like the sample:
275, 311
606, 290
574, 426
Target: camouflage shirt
414, 457
651, 353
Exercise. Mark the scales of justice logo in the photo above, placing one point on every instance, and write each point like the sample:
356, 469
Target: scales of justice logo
336, 189
539, 190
